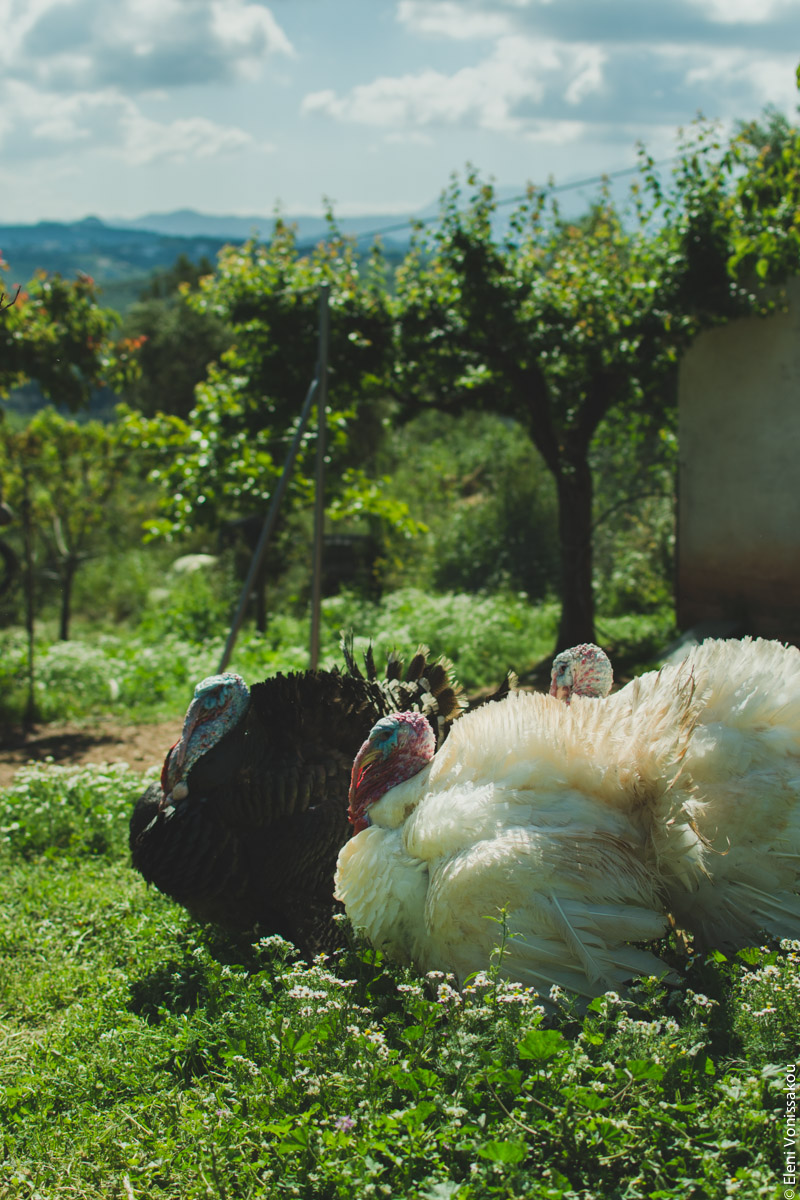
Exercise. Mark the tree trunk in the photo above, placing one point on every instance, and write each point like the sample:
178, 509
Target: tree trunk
30, 714
68, 569
260, 597
574, 490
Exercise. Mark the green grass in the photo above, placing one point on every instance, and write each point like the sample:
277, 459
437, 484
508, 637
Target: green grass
150, 671
142, 1056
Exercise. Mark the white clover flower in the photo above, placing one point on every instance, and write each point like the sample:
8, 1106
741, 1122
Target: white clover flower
454, 1110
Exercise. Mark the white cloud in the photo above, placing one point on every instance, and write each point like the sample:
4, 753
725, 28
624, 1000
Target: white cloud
518, 72
239, 24
743, 12
450, 19
587, 74
137, 44
146, 140
726, 75
113, 124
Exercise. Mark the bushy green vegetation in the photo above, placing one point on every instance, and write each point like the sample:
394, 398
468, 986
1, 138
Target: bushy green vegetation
143, 1056
151, 672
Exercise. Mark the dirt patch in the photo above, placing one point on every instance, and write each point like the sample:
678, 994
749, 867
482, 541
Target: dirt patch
139, 746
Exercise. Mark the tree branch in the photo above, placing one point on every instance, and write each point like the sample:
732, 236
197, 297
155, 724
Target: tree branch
9, 303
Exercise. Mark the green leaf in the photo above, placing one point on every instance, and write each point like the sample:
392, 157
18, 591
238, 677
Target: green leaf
641, 1068
415, 1116
503, 1152
586, 1097
541, 1044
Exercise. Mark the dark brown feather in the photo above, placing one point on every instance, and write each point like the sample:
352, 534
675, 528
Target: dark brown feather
253, 846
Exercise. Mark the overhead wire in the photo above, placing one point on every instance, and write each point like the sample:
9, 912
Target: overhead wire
549, 189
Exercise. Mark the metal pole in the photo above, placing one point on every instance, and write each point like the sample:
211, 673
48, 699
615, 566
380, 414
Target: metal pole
319, 497
266, 531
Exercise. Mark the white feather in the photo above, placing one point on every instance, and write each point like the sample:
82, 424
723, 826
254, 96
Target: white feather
581, 828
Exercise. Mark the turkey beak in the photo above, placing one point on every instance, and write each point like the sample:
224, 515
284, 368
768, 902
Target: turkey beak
561, 691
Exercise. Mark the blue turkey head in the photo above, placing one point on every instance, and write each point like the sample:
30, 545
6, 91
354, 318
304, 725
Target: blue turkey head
218, 704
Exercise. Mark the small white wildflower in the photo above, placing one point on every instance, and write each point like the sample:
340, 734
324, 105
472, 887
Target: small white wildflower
454, 1110
273, 942
445, 994
410, 989
700, 1001
301, 992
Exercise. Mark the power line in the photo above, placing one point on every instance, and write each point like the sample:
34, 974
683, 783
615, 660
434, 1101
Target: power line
553, 189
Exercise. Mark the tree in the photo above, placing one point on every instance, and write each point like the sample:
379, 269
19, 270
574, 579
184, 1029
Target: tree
548, 327
223, 462
176, 342
566, 325
54, 332
176, 345
62, 476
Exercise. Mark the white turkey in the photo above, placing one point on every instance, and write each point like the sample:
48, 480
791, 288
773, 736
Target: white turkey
530, 810
583, 670
743, 762
245, 825
586, 824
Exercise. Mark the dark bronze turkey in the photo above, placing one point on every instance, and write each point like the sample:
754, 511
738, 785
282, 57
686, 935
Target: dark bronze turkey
251, 811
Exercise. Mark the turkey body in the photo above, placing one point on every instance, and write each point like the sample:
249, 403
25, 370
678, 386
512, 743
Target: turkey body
583, 827
743, 762
536, 816
250, 836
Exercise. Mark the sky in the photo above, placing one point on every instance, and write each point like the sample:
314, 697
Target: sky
117, 108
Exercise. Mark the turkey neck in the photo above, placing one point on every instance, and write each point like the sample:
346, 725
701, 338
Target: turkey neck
392, 808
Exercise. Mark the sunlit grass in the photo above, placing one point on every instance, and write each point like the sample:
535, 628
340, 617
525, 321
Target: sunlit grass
144, 1056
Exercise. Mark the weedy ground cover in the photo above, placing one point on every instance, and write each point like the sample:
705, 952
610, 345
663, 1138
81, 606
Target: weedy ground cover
149, 671
144, 1056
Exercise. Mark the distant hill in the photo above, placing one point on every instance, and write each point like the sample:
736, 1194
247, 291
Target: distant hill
122, 257
187, 222
122, 254
112, 256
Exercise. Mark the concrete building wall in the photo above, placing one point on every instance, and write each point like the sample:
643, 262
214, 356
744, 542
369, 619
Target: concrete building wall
739, 476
